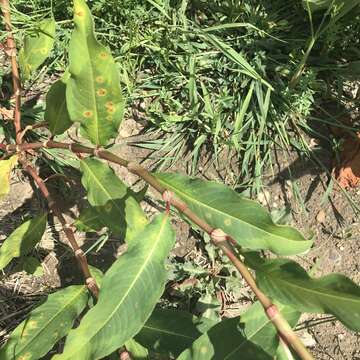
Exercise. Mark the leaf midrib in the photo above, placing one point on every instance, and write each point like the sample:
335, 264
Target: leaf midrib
233, 217
291, 284
51, 319
110, 316
172, 333
92, 87
247, 339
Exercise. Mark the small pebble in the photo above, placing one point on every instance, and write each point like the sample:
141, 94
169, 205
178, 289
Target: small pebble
320, 217
263, 197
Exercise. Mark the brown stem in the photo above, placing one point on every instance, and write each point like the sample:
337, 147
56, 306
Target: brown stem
68, 230
220, 239
11, 52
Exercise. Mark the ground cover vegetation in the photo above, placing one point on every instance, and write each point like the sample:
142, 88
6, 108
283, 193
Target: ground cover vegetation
237, 76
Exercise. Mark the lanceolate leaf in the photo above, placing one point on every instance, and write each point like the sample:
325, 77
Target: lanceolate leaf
93, 91
116, 206
289, 283
46, 325
129, 291
171, 331
22, 240
246, 221
253, 336
37, 47
56, 113
5, 169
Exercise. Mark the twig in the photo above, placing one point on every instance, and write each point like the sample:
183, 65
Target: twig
67, 228
219, 238
11, 52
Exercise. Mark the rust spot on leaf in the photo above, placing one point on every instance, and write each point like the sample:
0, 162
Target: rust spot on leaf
80, 13
101, 92
109, 118
103, 55
99, 79
88, 113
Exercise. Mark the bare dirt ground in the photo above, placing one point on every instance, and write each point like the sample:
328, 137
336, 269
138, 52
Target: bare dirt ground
331, 220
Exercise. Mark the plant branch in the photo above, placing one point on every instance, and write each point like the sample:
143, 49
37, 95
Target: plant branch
219, 238
67, 228
11, 52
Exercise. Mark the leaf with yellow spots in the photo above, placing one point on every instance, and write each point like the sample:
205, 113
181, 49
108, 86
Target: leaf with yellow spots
129, 292
22, 240
5, 170
243, 219
46, 325
37, 46
248, 337
93, 91
111, 199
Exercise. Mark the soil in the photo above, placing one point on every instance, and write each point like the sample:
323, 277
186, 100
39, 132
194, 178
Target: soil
294, 183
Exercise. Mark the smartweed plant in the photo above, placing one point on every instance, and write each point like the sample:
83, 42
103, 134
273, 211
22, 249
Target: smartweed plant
116, 312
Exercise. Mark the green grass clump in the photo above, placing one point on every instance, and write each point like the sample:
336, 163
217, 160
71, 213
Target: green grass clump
240, 76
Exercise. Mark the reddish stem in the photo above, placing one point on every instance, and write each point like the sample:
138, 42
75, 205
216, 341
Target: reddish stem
221, 239
68, 230
11, 52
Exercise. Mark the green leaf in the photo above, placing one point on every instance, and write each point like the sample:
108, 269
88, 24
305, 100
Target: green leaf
56, 113
22, 240
245, 220
113, 201
128, 294
5, 170
93, 92
89, 220
137, 351
45, 325
285, 353
37, 47
252, 336
289, 283
171, 331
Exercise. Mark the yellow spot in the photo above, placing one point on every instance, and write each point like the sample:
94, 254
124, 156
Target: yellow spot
43, 51
88, 113
99, 79
56, 334
101, 92
203, 350
103, 55
25, 356
108, 207
208, 215
31, 324
227, 222
109, 118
